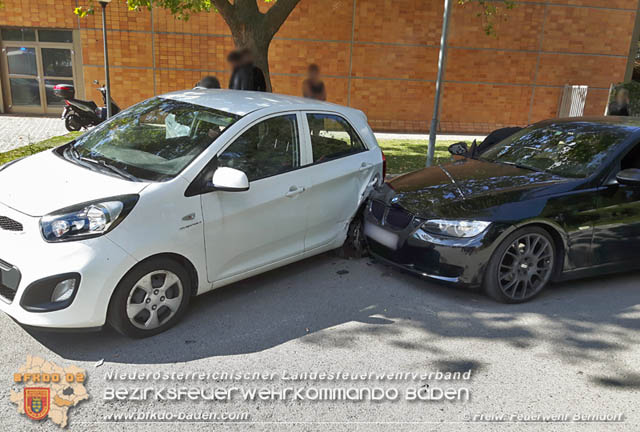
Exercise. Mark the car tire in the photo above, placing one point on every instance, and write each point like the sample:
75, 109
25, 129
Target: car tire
521, 266
150, 299
354, 246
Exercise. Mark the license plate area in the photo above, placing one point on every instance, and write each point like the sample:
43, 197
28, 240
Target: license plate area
382, 236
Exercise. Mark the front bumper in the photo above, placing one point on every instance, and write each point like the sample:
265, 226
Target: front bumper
457, 261
99, 262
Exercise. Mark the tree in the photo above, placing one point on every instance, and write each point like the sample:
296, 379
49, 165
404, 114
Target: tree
253, 29
250, 28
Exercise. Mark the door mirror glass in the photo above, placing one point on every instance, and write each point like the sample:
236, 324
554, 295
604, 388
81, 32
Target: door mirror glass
629, 177
458, 149
230, 180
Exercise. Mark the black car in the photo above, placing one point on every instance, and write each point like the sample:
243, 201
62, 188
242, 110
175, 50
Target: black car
557, 200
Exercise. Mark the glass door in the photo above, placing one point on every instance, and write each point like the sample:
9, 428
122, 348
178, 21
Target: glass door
34, 61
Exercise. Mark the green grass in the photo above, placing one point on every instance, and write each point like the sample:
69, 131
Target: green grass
402, 155
37, 147
409, 155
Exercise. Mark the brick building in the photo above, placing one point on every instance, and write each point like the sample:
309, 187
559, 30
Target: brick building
376, 55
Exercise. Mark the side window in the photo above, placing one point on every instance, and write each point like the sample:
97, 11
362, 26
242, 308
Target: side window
332, 137
266, 149
632, 159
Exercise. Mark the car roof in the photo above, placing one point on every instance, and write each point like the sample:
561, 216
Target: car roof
242, 102
622, 122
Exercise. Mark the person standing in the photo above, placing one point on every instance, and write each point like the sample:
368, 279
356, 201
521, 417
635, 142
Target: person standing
259, 82
620, 106
313, 87
208, 82
241, 72
245, 75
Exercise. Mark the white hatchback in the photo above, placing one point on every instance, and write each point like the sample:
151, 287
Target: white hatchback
176, 196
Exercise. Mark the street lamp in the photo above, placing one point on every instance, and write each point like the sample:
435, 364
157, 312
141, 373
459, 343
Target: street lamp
104, 4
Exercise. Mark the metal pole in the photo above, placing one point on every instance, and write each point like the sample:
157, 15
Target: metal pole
106, 58
442, 58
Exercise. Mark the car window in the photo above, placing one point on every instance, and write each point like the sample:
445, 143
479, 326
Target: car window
332, 137
632, 159
266, 149
567, 149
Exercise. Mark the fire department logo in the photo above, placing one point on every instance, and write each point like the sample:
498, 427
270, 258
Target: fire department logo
43, 390
36, 402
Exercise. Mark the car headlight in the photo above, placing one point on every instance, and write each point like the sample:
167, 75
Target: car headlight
455, 228
86, 220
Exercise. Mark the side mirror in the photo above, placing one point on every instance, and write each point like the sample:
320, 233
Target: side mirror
629, 177
230, 180
458, 149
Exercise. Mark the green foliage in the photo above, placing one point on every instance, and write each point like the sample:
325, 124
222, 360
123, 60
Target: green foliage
490, 11
30, 149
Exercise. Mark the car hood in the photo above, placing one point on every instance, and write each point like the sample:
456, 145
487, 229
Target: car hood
469, 187
45, 182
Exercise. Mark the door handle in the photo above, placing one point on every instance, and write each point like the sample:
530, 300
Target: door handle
293, 191
365, 166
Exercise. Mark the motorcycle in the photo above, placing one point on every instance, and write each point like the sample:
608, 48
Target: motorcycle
78, 114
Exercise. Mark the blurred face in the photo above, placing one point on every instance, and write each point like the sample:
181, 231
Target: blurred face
314, 74
622, 98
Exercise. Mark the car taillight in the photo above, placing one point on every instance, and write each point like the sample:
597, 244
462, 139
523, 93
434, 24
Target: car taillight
384, 165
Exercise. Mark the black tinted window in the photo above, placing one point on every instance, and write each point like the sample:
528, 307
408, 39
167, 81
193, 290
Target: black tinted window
566, 149
332, 137
266, 149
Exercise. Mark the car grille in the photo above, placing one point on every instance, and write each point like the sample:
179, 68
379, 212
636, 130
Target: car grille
395, 216
9, 224
398, 218
9, 281
377, 210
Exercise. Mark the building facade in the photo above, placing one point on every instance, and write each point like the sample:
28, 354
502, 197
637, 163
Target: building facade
376, 55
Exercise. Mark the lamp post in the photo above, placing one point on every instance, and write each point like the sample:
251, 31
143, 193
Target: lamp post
104, 4
442, 59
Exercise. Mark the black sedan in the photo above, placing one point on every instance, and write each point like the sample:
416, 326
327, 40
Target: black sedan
557, 200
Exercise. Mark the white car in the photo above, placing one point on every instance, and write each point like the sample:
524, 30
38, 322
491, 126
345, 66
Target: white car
176, 196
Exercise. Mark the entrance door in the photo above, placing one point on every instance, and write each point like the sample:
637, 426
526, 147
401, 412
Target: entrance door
33, 62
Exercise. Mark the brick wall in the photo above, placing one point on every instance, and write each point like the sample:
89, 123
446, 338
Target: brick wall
376, 55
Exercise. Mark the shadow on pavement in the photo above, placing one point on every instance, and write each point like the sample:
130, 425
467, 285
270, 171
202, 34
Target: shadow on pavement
580, 321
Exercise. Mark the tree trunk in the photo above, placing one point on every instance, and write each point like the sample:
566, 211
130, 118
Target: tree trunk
253, 29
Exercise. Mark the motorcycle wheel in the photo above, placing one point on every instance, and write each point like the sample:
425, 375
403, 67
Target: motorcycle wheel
73, 123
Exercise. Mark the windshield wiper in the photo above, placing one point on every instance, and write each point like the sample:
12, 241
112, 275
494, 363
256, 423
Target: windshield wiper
102, 163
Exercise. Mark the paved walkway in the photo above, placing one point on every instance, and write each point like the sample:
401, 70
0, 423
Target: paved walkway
17, 131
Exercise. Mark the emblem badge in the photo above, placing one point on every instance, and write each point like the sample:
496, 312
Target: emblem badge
36, 402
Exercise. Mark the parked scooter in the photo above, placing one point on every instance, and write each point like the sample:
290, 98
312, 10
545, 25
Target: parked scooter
78, 114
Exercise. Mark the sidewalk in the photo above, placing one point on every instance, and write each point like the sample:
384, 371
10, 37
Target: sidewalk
17, 131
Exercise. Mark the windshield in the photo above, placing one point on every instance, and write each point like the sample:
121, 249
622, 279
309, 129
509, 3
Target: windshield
564, 149
153, 140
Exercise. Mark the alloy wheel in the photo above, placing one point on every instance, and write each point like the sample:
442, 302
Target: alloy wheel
154, 299
526, 266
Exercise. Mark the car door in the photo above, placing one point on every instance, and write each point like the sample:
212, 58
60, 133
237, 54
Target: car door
342, 167
617, 230
248, 230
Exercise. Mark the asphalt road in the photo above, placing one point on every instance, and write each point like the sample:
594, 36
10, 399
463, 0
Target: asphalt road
573, 350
